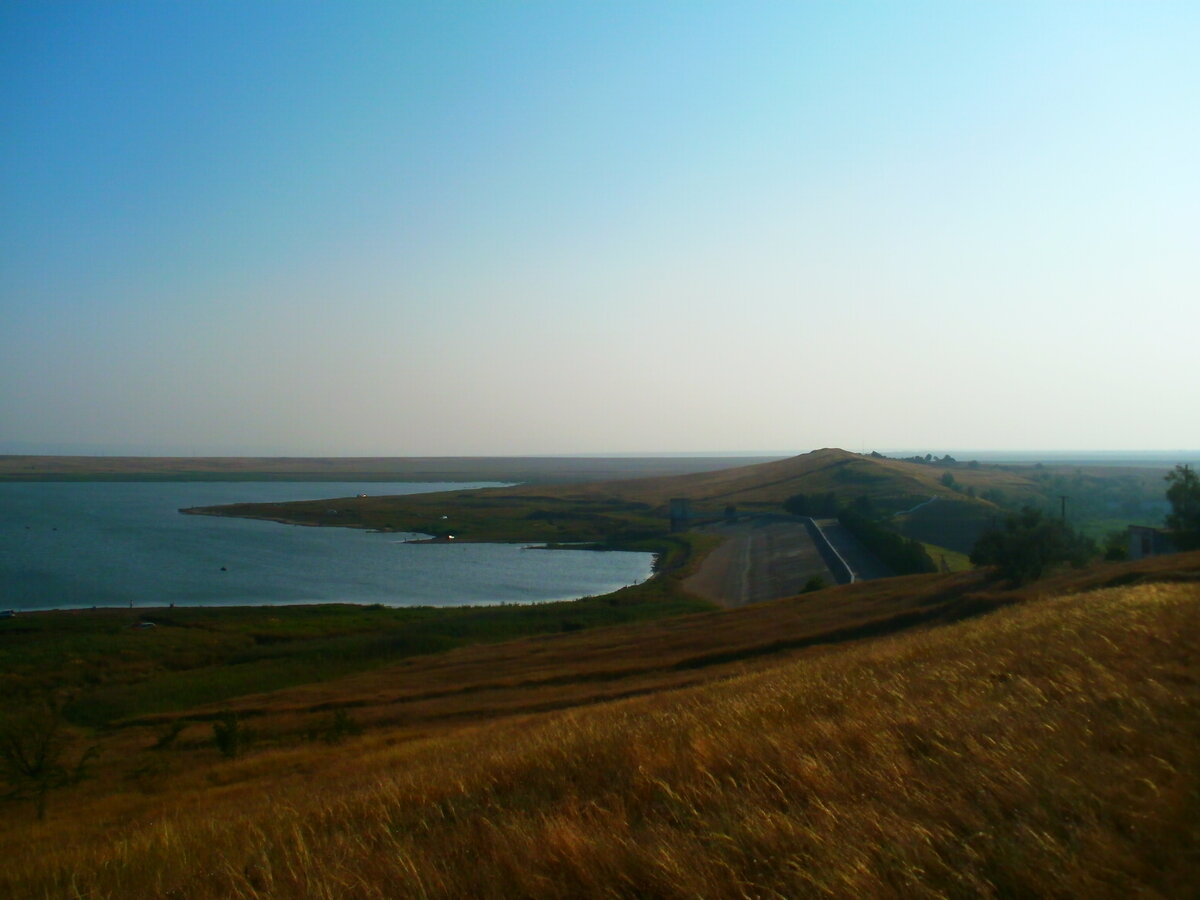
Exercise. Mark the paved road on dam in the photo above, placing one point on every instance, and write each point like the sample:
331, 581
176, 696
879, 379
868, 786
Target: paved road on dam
770, 557
760, 559
865, 564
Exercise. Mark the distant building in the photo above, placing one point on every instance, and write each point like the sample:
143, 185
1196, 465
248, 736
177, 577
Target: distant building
1146, 541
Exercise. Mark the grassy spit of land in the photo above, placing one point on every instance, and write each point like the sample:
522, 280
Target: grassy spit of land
940, 503
488, 514
1047, 748
620, 511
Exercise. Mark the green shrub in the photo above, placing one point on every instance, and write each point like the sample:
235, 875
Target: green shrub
231, 736
1116, 546
902, 555
1028, 544
335, 728
33, 753
812, 504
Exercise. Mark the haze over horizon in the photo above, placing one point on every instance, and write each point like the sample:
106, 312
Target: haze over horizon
466, 229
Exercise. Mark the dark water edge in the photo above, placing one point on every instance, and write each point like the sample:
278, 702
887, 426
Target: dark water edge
76, 545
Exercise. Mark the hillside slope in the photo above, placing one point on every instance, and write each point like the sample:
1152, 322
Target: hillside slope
546, 672
821, 471
1048, 749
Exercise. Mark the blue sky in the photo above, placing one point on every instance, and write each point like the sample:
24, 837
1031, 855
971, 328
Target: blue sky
504, 228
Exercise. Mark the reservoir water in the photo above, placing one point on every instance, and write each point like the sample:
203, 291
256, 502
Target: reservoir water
82, 544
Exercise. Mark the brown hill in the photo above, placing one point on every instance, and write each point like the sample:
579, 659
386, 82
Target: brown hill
890, 482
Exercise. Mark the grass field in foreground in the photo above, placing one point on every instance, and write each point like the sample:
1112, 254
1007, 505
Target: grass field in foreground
1047, 749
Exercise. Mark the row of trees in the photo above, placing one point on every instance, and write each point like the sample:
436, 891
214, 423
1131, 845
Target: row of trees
929, 459
902, 555
1030, 542
812, 504
1022, 549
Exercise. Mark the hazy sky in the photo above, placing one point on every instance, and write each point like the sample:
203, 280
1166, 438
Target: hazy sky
494, 228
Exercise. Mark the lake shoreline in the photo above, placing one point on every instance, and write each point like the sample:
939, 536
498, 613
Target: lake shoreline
78, 546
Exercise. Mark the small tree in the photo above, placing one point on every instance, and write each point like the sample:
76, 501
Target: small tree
812, 505
339, 725
33, 749
230, 735
1116, 546
1184, 497
798, 505
1028, 544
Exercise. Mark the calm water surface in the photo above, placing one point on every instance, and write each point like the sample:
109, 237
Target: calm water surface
111, 544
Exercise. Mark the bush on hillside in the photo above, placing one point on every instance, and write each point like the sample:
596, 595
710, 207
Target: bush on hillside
33, 753
1116, 546
231, 736
1029, 544
334, 728
812, 505
994, 495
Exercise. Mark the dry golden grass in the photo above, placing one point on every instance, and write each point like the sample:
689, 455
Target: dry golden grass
548, 672
829, 469
770, 482
1049, 749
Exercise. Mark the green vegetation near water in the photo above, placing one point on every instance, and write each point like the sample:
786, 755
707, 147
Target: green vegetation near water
476, 515
113, 669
